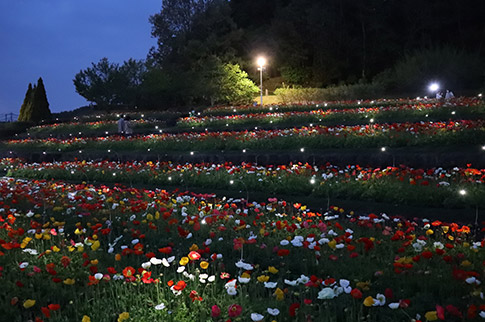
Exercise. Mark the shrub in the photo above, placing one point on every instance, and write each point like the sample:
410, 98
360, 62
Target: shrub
360, 90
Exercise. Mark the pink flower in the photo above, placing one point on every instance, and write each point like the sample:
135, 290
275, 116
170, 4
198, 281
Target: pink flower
215, 311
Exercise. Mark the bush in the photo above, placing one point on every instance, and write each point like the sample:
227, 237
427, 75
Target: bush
360, 90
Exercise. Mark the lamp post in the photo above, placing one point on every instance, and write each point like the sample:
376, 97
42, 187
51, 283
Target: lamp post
261, 63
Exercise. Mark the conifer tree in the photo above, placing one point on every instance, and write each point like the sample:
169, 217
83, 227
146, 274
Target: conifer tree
40, 108
35, 106
26, 108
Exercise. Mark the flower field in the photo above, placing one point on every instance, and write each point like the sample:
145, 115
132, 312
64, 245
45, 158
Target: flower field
97, 253
102, 240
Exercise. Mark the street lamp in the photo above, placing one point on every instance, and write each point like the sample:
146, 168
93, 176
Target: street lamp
261, 62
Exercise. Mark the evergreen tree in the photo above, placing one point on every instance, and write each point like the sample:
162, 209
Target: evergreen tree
26, 108
40, 108
35, 106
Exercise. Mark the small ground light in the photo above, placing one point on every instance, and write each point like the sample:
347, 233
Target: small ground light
106, 132
160, 131
383, 149
244, 150
453, 113
480, 95
80, 151
191, 152
148, 150
143, 115
43, 152
169, 178
109, 151
156, 127
302, 150
462, 192
231, 182
114, 174
371, 120
312, 181
483, 147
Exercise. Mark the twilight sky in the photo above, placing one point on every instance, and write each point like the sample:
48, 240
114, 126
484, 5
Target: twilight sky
55, 39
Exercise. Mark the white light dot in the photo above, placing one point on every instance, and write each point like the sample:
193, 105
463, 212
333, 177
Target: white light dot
434, 87
312, 181
191, 152
302, 150
244, 150
231, 182
462, 192
383, 149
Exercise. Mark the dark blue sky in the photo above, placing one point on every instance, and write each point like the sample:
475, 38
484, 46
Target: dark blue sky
55, 39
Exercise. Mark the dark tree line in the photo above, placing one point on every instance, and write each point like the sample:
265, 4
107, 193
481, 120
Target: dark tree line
399, 44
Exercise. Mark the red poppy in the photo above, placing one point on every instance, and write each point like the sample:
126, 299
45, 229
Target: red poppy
293, 308
356, 293
234, 310
180, 286
128, 271
193, 255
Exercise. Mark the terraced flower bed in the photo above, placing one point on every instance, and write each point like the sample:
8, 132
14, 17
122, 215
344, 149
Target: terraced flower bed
437, 187
96, 253
432, 111
460, 132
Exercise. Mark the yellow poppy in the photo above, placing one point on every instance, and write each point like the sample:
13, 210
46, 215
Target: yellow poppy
184, 261
369, 301
431, 316
204, 265
272, 270
263, 278
29, 303
123, 316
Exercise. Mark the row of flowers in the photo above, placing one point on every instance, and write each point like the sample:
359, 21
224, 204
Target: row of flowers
348, 104
460, 132
329, 116
97, 253
97, 128
436, 187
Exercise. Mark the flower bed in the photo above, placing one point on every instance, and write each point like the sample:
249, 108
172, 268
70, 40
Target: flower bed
98, 128
462, 132
248, 109
82, 253
435, 187
436, 111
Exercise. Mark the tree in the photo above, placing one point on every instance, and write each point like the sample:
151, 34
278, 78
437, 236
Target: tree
35, 106
108, 84
235, 86
26, 108
40, 109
